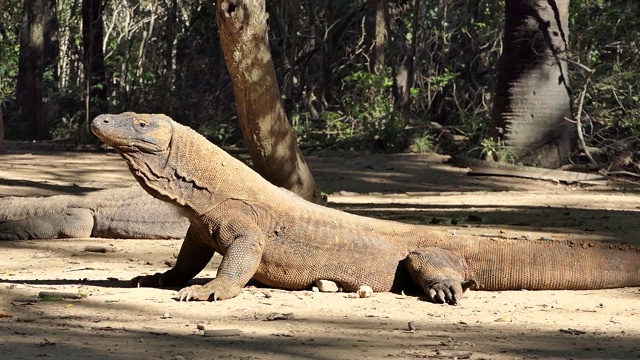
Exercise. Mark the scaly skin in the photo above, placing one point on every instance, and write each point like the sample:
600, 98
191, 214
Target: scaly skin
270, 234
115, 213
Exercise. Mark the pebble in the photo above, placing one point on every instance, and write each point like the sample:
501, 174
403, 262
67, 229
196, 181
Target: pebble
280, 316
411, 326
61, 294
221, 332
365, 291
95, 248
327, 286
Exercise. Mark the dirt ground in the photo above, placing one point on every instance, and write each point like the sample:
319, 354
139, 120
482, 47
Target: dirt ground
114, 321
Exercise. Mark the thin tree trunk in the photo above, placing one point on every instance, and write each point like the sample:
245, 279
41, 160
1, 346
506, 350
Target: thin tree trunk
51, 35
2, 149
170, 47
533, 96
267, 132
293, 48
410, 66
377, 30
326, 81
95, 73
30, 85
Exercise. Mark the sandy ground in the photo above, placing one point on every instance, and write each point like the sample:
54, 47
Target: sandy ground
114, 321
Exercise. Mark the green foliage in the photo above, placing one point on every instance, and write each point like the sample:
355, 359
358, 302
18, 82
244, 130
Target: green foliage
439, 82
70, 127
10, 20
605, 37
219, 134
424, 143
368, 118
367, 101
367, 97
495, 151
474, 127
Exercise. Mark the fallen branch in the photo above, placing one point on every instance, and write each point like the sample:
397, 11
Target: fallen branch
481, 167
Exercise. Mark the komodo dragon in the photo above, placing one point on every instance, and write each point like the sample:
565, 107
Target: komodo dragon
277, 238
114, 213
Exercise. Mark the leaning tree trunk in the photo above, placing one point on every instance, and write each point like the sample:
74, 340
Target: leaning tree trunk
267, 132
533, 99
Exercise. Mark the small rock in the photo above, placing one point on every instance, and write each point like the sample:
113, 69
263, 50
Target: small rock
59, 295
365, 291
166, 316
327, 286
200, 327
315, 289
503, 319
221, 332
411, 326
280, 316
46, 342
95, 248
572, 331
41, 255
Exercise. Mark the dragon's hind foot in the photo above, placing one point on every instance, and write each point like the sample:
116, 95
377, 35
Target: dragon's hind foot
449, 291
440, 274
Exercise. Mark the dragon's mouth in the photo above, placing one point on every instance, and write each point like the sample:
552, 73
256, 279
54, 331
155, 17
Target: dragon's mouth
126, 145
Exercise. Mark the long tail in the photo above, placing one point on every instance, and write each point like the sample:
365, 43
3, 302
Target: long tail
551, 265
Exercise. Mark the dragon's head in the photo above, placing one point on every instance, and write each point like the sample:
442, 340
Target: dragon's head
131, 132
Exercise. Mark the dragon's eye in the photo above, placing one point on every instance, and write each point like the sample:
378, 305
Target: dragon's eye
142, 125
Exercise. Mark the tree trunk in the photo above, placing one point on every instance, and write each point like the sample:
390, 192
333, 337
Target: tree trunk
267, 132
171, 47
94, 70
29, 87
51, 38
533, 96
406, 73
376, 33
326, 94
2, 149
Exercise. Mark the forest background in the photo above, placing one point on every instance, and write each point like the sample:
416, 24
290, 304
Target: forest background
366, 75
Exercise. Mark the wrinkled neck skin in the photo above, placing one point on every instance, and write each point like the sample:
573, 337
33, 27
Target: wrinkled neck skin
192, 172
148, 169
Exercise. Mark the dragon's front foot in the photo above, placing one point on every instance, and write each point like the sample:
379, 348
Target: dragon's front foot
216, 289
146, 281
449, 291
